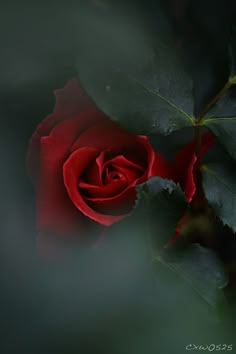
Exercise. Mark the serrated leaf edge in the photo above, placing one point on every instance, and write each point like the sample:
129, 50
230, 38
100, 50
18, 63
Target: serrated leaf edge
207, 169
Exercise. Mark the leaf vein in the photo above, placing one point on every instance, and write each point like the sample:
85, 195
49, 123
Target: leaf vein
215, 120
155, 93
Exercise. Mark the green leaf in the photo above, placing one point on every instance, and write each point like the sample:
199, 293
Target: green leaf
199, 270
224, 128
233, 56
219, 183
168, 145
137, 81
217, 154
220, 118
164, 203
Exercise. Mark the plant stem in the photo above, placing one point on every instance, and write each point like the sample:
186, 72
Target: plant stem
196, 204
198, 143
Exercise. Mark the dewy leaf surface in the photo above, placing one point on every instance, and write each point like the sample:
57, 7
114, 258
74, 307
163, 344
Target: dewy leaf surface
137, 80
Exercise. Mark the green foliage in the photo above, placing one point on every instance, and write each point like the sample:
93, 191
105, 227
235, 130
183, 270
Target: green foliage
218, 176
233, 56
198, 269
219, 183
221, 116
140, 83
163, 203
224, 129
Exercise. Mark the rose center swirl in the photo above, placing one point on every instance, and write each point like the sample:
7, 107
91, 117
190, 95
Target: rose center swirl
107, 178
111, 174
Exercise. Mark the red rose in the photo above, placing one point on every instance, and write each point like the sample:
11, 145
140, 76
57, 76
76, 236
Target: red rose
85, 166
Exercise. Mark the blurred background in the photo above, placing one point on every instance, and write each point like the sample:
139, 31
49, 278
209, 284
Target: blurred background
90, 303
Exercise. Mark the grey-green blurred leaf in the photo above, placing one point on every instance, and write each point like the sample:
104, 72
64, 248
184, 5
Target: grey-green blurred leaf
199, 269
219, 183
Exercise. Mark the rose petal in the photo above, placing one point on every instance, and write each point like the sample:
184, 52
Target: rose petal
54, 208
72, 170
182, 169
207, 141
109, 136
107, 191
111, 175
161, 167
119, 204
127, 168
70, 101
188, 186
93, 175
183, 165
73, 127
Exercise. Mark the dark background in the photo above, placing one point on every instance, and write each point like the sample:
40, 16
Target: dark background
38, 50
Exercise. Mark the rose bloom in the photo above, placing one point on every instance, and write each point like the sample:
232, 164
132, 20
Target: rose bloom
85, 167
